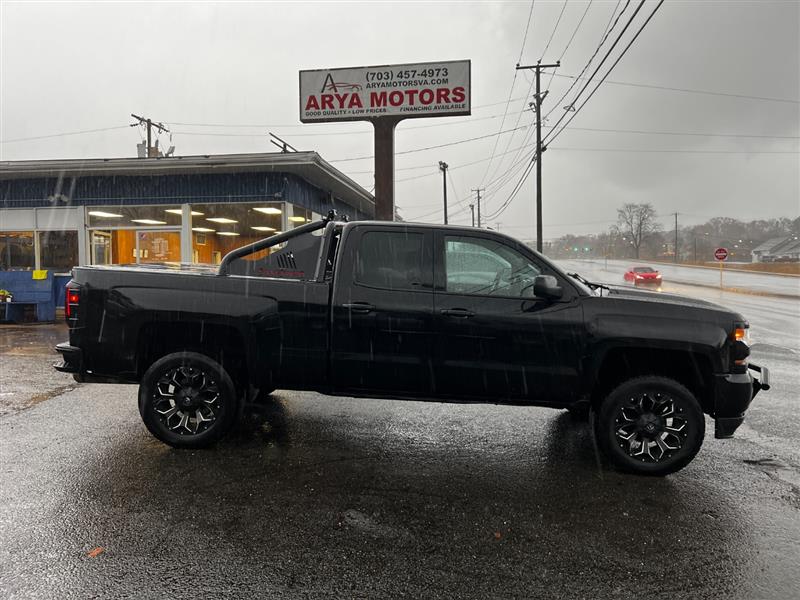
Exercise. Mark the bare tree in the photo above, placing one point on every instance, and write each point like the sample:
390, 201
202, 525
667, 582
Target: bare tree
637, 222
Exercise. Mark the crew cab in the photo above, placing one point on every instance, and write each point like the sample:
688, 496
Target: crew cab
411, 311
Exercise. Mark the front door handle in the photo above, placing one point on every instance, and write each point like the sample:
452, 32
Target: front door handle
461, 313
359, 307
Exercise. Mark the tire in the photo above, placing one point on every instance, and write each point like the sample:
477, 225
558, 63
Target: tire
187, 400
650, 426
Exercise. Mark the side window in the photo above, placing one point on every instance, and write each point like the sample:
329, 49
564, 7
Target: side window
391, 260
487, 268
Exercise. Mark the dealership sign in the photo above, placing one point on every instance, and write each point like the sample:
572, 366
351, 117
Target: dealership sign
434, 89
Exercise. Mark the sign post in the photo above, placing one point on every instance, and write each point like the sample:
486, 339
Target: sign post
385, 95
721, 254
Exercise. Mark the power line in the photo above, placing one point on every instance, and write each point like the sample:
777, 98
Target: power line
547, 45
685, 133
56, 135
674, 151
481, 137
690, 91
553, 135
608, 53
510, 93
609, 28
606, 32
569, 43
525, 35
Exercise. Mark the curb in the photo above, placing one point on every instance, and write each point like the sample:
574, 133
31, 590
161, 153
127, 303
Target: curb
739, 290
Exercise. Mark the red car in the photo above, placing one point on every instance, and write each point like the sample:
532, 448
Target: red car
643, 276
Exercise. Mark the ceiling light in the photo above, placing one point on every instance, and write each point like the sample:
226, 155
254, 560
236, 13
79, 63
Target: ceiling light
202, 229
297, 219
149, 222
221, 220
104, 215
227, 233
179, 211
259, 228
269, 210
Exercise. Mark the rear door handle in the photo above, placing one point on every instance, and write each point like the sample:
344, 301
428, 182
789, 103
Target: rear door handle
359, 307
461, 313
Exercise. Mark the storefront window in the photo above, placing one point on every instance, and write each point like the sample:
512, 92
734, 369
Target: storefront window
135, 234
298, 216
16, 250
58, 250
219, 228
133, 216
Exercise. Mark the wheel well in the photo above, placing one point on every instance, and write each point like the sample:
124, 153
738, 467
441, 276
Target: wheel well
221, 343
691, 369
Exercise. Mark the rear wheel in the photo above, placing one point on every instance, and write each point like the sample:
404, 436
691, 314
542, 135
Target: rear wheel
650, 426
187, 400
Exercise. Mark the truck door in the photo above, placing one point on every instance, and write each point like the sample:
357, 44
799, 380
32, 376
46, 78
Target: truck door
494, 339
382, 310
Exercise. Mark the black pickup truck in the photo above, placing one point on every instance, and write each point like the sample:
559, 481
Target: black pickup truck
411, 311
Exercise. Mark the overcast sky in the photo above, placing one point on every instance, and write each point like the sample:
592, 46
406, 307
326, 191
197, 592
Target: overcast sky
222, 75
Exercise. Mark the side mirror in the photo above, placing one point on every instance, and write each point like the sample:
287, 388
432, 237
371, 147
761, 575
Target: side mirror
546, 286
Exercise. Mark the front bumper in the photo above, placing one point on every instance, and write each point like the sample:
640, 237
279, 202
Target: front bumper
733, 394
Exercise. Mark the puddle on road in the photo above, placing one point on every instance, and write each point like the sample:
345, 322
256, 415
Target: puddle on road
32, 340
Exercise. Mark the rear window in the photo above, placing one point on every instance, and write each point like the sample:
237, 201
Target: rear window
390, 260
643, 270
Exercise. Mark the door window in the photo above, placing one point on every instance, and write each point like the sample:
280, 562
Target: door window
391, 260
487, 268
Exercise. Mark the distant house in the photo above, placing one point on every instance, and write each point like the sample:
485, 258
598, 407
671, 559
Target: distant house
786, 248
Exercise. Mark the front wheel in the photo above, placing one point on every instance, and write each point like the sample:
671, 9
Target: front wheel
650, 426
187, 400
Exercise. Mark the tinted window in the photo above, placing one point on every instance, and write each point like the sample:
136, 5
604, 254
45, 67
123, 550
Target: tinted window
391, 260
643, 270
488, 268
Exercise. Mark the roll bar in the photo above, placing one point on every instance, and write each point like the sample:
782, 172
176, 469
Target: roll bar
224, 266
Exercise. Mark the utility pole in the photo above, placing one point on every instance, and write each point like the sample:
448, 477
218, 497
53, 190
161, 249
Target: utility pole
151, 152
539, 148
676, 238
478, 191
443, 169
472, 210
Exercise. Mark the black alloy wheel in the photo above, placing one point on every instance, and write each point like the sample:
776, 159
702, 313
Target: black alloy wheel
187, 400
651, 426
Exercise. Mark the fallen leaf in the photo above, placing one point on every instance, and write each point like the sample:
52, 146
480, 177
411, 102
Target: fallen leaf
497, 535
95, 552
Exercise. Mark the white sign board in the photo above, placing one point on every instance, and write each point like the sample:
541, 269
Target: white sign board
434, 89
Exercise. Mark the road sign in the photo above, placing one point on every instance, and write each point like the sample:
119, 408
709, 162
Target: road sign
721, 253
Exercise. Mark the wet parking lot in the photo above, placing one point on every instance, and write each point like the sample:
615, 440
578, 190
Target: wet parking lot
335, 497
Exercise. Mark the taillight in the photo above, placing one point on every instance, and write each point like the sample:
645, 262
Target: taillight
71, 302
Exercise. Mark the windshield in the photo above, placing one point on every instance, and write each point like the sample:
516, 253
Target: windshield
643, 270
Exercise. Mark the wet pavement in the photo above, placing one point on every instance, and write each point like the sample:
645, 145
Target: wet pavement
335, 497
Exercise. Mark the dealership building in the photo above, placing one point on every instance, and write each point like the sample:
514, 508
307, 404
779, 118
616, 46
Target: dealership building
55, 214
